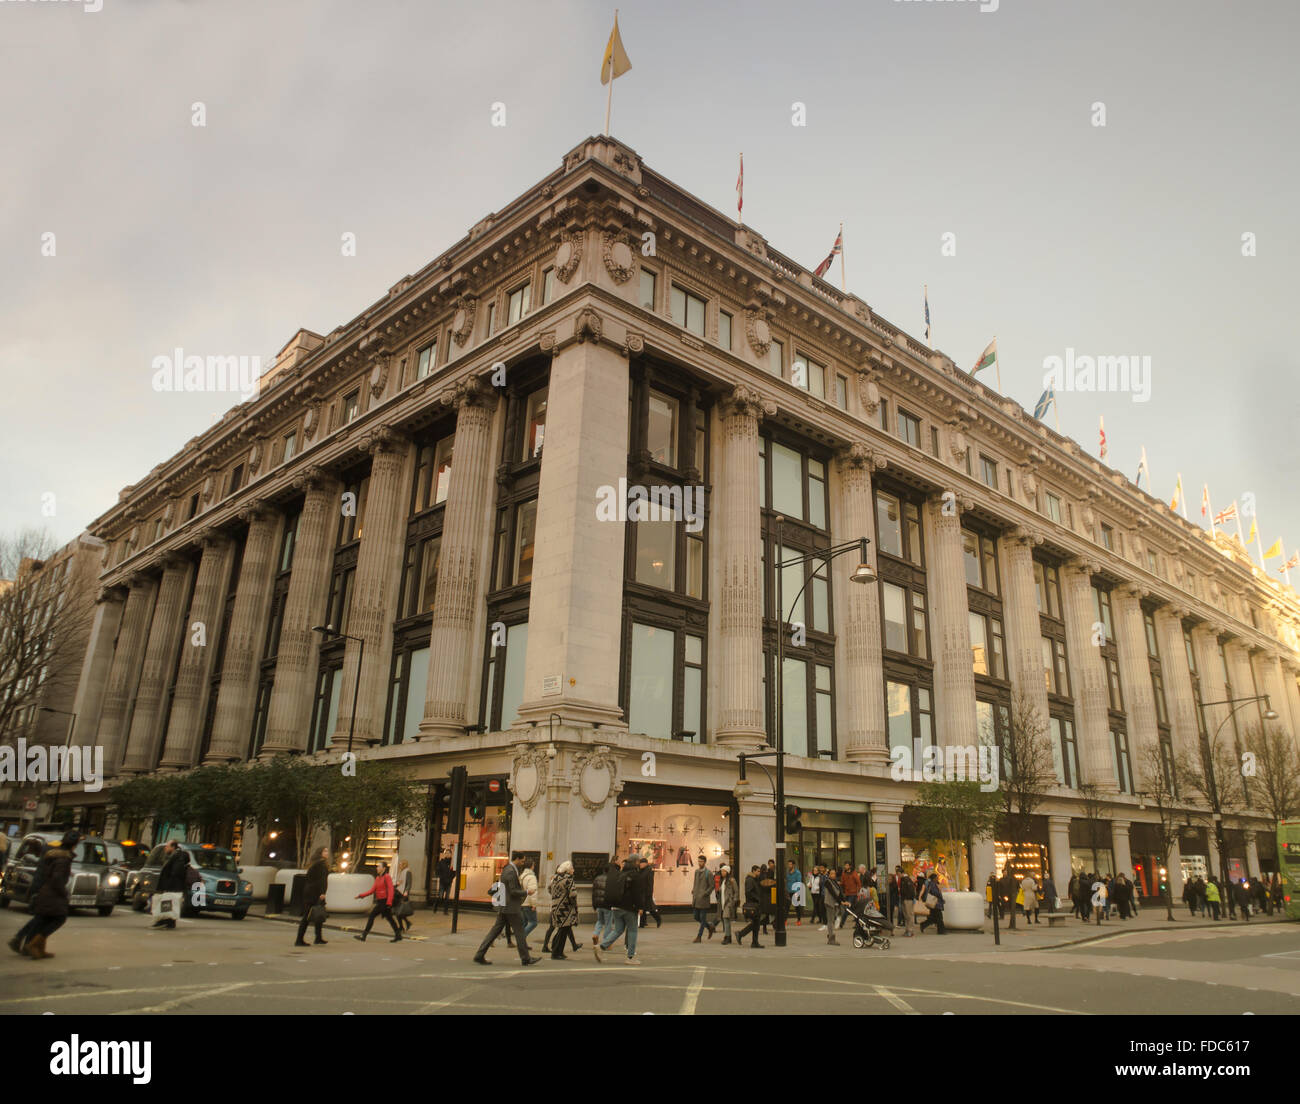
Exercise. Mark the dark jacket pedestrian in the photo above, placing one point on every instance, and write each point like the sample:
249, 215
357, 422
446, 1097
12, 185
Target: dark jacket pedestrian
50, 904
753, 908
935, 917
171, 879
445, 876
509, 915
314, 888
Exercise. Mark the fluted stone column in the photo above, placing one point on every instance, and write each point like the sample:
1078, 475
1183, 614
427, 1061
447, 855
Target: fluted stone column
1241, 678
114, 722
1214, 679
1268, 677
1252, 855
92, 686
1058, 852
374, 593
1122, 849
462, 569
1135, 677
306, 604
860, 681
1088, 676
246, 636
1291, 689
575, 610
1175, 874
159, 666
1020, 611
193, 677
738, 548
954, 671
1184, 733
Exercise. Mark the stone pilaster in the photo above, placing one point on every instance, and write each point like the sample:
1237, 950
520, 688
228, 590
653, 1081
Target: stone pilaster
1135, 678
860, 703
374, 594
1020, 611
1252, 855
1268, 677
114, 722
738, 545
954, 672
1291, 690
246, 636
886, 820
193, 676
1175, 874
462, 569
1178, 682
1058, 853
575, 612
1087, 676
1214, 680
1241, 681
159, 666
92, 686
1122, 851
306, 604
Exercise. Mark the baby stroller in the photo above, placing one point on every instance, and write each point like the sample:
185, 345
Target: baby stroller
871, 928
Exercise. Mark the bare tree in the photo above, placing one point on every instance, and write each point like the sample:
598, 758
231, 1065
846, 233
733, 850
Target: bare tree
45, 613
1095, 806
1213, 777
1158, 790
1272, 771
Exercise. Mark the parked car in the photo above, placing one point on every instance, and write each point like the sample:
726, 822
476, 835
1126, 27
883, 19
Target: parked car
125, 857
224, 889
92, 883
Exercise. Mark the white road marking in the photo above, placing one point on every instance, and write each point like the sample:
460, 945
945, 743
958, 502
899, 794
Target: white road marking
433, 1006
693, 992
896, 1001
200, 994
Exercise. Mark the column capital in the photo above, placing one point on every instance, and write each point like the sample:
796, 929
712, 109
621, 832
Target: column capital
1121, 826
255, 509
860, 455
111, 594
173, 561
382, 439
1132, 590
745, 402
1022, 534
1061, 822
313, 478
1081, 566
211, 537
468, 392
939, 499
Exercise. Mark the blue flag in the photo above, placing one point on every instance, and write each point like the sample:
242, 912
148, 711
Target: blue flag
1044, 403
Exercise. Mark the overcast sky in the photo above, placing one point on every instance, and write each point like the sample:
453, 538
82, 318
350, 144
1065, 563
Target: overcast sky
327, 117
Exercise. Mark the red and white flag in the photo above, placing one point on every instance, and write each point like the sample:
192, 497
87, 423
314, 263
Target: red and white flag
836, 250
1205, 500
1101, 425
740, 188
1294, 561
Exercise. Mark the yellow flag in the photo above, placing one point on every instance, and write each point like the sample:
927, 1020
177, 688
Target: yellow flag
1251, 537
1274, 549
615, 62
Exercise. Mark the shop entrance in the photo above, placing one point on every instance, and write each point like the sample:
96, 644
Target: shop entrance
672, 829
829, 847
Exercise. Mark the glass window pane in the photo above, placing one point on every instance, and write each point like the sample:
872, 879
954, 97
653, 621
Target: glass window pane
1038, 586
647, 289
979, 644
442, 469
694, 567
1049, 667
990, 565
724, 329
970, 548
429, 570
816, 501
984, 723
776, 358
912, 519
548, 285
816, 379
661, 429
824, 738
694, 649
678, 306
415, 689
1058, 763
894, 614
512, 687
535, 423
655, 553
898, 710
695, 315
332, 714
787, 481
918, 625
821, 620
692, 713
792, 580
823, 675
889, 530
525, 540
794, 711
650, 697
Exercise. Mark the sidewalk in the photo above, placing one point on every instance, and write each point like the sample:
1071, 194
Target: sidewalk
433, 933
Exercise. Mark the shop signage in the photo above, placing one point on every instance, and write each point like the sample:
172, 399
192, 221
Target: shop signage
30, 805
587, 865
550, 685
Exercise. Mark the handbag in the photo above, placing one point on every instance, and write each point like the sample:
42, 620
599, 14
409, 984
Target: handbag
405, 908
166, 905
930, 901
317, 914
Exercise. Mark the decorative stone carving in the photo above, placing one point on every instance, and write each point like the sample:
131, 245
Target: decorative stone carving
860, 455
623, 163
250, 512
594, 791
471, 391
546, 342
462, 319
745, 400
567, 257
379, 363
381, 439
868, 392
256, 454
587, 326
310, 478
957, 442
619, 258
633, 343
311, 420
528, 775
758, 331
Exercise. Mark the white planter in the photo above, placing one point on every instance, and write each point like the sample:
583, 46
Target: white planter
261, 877
963, 910
341, 893
285, 878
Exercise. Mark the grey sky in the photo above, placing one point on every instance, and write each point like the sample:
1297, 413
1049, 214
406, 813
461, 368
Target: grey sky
333, 116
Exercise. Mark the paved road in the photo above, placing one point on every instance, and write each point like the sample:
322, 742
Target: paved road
216, 965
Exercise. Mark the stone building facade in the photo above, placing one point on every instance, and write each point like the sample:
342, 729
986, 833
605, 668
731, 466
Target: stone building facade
447, 478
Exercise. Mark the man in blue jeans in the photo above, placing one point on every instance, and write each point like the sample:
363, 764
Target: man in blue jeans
625, 907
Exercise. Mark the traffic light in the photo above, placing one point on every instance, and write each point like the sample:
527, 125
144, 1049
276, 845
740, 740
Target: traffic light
456, 800
793, 820
475, 800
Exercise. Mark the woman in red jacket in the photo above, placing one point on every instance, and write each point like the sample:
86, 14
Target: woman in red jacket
382, 891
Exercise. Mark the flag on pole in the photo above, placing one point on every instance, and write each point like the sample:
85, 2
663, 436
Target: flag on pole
926, 295
1179, 501
1251, 535
1205, 500
987, 357
836, 250
1294, 561
1101, 426
615, 62
1044, 403
1226, 515
1143, 469
740, 189
1274, 549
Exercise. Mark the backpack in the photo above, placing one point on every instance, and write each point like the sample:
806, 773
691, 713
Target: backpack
499, 896
618, 883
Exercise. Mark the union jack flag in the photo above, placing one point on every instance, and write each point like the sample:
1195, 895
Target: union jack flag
836, 250
1226, 515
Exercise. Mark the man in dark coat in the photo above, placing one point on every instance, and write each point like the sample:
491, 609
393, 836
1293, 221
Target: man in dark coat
445, 876
510, 915
753, 908
624, 907
50, 902
313, 897
171, 879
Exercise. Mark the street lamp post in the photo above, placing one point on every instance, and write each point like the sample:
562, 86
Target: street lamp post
1216, 799
863, 573
58, 783
356, 689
